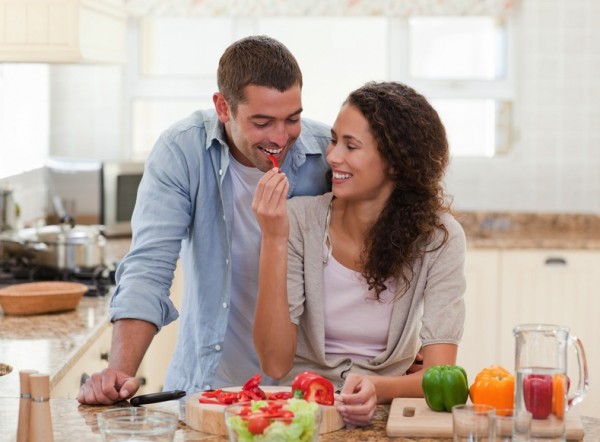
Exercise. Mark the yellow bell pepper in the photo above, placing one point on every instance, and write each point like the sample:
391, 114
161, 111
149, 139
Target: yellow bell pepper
494, 386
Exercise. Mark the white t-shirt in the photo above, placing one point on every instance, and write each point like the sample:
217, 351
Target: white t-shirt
239, 360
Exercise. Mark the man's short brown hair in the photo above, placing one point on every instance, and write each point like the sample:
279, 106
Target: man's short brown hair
256, 60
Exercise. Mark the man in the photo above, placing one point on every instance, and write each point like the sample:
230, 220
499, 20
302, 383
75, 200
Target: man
195, 198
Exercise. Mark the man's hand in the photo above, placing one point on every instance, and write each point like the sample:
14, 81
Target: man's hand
107, 387
417, 364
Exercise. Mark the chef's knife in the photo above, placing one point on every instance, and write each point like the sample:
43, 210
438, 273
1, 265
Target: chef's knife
156, 397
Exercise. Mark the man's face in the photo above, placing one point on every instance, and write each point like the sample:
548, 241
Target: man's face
267, 122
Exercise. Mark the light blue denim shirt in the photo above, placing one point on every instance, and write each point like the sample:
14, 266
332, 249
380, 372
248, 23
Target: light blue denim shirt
184, 205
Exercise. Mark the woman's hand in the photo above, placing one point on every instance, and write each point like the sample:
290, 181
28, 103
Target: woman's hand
269, 205
357, 400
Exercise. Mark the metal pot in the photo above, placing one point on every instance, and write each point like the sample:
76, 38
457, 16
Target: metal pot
63, 246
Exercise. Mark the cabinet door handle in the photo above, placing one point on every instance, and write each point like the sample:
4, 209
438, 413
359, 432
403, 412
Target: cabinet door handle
554, 260
142, 380
104, 356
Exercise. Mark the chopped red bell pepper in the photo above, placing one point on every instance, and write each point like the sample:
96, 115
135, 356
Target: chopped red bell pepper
251, 391
279, 395
314, 388
537, 393
209, 401
227, 397
211, 393
253, 385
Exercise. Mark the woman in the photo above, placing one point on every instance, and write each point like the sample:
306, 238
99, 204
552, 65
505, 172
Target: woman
372, 271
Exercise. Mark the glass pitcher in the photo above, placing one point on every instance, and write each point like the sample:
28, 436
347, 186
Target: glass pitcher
542, 386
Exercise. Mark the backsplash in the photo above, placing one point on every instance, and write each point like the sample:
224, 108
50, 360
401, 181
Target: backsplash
554, 165
29, 193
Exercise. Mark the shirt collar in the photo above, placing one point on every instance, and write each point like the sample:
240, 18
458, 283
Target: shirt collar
216, 132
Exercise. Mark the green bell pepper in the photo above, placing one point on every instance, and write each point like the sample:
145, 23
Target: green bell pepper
445, 386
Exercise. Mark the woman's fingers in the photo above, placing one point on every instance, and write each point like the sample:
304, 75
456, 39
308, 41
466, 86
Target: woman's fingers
270, 193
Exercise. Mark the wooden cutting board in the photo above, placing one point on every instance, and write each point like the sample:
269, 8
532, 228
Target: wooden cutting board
210, 418
429, 423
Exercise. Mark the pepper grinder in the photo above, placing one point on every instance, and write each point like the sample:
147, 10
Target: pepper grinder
40, 420
24, 406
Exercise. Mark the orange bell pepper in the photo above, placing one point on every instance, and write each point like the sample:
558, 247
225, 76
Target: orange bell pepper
559, 387
494, 386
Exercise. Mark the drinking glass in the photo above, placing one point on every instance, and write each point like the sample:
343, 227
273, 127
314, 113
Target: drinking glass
513, 425
473, 423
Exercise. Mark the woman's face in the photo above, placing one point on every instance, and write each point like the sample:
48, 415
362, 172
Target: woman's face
359, 172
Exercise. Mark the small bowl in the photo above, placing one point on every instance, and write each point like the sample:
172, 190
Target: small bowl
136, 423
302, 426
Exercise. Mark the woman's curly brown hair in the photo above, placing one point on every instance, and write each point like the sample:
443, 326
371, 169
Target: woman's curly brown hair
412, 141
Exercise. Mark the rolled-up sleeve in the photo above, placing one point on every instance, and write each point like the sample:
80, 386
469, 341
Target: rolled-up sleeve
444, 308
160, 222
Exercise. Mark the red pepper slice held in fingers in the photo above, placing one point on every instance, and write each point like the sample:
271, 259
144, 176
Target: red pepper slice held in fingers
273, 160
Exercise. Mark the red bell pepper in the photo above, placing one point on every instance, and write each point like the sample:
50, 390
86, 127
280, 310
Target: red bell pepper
284, 395
253, 385
537, 393
314, 388
273, 160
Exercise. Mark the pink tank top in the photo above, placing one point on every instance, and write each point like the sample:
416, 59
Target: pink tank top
356, 324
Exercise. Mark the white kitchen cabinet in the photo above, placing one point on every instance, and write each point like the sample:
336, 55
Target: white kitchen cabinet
556, 287
156, 361
62, 31
479, 345
93, 359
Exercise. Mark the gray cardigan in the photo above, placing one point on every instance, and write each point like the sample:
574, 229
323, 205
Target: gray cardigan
432, 311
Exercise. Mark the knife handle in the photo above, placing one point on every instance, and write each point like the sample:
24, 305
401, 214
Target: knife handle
156, 397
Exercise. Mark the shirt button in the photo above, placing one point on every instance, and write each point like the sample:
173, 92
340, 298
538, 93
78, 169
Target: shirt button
220, 171
227, 261
217, 347
224, 305
207, 387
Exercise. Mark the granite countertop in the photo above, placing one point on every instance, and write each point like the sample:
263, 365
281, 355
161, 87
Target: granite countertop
70, 419
49, 343
530, 230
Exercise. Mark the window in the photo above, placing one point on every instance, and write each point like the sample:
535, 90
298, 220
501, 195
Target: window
462, 65
173, 63
338, 55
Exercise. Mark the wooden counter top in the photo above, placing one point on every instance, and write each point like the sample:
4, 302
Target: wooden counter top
69, 418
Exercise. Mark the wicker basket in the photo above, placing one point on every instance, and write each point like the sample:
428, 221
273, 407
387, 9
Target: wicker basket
33, 298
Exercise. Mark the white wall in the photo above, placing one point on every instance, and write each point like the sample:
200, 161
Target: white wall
554, 165
87, 111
